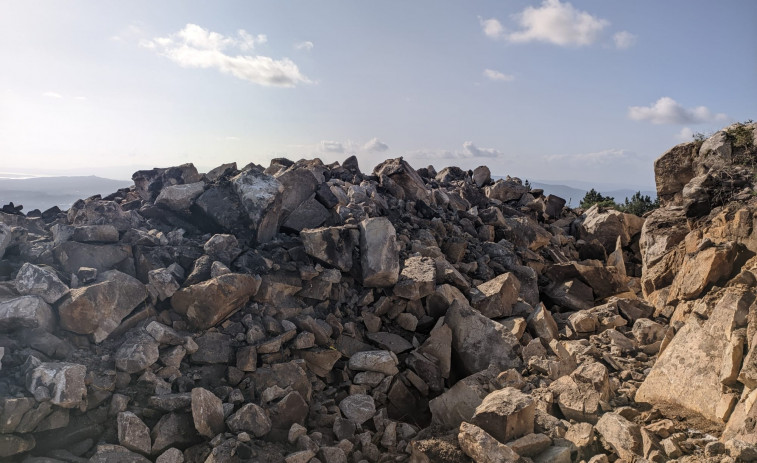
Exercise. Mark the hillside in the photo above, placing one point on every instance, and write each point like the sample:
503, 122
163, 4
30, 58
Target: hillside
45, 192
303, 312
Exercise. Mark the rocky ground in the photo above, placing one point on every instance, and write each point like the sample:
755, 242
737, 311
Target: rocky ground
315, 313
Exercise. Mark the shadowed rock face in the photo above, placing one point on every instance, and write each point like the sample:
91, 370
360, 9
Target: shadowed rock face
306, 311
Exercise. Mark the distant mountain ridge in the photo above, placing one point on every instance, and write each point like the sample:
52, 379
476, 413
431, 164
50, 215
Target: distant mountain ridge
45, 192
574, 193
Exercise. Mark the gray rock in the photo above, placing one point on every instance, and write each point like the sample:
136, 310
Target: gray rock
173, 429
261, 198
163, 283
417, 279
11, 444
478, 341
40, 281
482, 176
98, 309
223, 248
137, 354
381, 361
6, 237
62, 383
210, 302
26, 312
250, 418
358, 408
310, 214
379, 257
133, 433
331, 245
179, 197
207, 412
95, 234
212, 348
495, 298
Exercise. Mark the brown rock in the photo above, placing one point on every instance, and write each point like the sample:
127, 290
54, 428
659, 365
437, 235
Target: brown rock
208, 303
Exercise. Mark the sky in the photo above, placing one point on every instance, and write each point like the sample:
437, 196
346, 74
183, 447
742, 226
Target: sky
586, 90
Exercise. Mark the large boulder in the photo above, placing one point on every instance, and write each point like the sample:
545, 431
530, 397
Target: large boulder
684, 381
482, 447
98, 309
149, 183
62, 383
495, 298
261, 197
620, 436
605, 225
72, 255
180, 197
478, 341
6, 237
332, 245
26, 312
208, 303
40, 281
379, 257
506, 414
402, 175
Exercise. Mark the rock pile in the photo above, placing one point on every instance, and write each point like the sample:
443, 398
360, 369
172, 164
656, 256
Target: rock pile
306, 312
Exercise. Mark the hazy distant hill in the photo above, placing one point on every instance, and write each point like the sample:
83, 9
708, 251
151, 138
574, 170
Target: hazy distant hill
575, 192
45, 192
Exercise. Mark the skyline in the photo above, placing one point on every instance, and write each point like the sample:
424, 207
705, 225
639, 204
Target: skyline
549, 90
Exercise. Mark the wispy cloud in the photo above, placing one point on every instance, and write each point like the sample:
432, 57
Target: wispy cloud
598, 157
331, 146
196, 47
623, 40
668, 111
53, 95
306, 45
498, 76
469, 151
375, 145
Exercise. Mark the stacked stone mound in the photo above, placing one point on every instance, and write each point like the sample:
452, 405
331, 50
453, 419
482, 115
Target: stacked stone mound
315, 313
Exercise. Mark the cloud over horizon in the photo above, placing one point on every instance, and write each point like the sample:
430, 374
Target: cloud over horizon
666, 110
599, 157
469, 151
197, 47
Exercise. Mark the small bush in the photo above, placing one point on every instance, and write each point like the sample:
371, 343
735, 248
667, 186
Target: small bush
639, 205
593, 197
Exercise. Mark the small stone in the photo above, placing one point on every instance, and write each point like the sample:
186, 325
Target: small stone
358, 408
133, 433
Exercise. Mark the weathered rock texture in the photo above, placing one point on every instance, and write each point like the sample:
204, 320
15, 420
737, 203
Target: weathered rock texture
306, 312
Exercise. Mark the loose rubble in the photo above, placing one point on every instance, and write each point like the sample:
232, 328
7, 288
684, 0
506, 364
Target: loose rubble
307, 313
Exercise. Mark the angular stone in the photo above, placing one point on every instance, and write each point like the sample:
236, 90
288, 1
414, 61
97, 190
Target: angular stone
377, 360
481, 176
207, 412
133, 433
530, 445
459, 403
95, 234
180, 197
11, 444
173, 429
137, 354
320, 361
478, 341
496, 297
409, 185
683, 379
172, 455
541, 324
332, 245
620, 436
6, 237
40, 281
506, 414
358, 408
250, 418
706, 267
212, 348
607, 225
99, 308
63, 383
417, 279
261, 197
26, 312
505, 190
580, 395
210, 302
379, 258
482, 447
310, 214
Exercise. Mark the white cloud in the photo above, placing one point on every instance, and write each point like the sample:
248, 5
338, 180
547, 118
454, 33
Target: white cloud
668, 111
470, 151
599, 157
331, 146
624, 39
498, 76
492, 28
685, 134
52, 95
80, 98
231, 138
553, 22
196, 47
307, 45
375, 145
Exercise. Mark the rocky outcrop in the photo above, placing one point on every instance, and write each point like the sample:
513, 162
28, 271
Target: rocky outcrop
306, 312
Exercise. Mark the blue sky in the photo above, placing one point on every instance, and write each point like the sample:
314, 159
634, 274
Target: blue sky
590, 90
